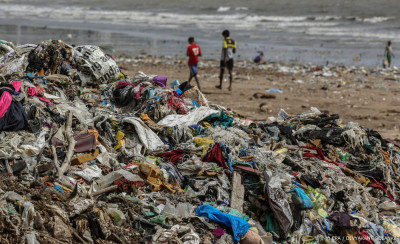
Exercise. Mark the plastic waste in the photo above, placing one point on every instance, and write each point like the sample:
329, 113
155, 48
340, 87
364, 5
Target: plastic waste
238, 225
307, 203
174, 84
274, 90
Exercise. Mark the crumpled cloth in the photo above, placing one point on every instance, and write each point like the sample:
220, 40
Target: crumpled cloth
17, 85
238, 225
342, 219
45, 100
220, 119
122, 84
191, 118
218, 232
278, 203
147, 138
32, 91
173, 156
215, 155
160, 80
382, 187
150, 123
320, 155
204, 142
5, 102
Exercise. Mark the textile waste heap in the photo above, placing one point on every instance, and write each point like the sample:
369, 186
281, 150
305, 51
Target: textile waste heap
89, 155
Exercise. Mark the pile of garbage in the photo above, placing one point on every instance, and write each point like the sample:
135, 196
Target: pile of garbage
89, 155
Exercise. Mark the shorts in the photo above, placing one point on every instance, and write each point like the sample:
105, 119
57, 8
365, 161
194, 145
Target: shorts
229, 64
389, 57
193, 69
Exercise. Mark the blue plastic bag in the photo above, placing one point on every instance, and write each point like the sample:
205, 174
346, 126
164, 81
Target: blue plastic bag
238, 225
307, 203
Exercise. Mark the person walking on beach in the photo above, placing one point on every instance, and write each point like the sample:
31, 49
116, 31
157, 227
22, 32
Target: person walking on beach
388, 53
228, 49
193, 51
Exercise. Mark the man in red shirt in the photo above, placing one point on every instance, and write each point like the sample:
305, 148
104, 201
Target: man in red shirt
193, 51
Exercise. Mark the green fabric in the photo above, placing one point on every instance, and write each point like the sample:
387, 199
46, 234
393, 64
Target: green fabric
221, 119
344, 157
269, 227
369, 147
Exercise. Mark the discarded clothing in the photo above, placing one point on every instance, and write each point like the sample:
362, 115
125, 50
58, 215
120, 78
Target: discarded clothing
221, 119
173, 156
215, 155
238, 225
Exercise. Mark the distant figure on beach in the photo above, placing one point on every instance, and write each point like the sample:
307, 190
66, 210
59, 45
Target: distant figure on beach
259, 58
193, 51
388, 54
228, 49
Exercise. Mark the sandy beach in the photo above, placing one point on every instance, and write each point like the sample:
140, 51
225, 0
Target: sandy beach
366, 96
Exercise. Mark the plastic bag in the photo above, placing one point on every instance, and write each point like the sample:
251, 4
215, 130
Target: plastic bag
238, 225
31, 238
307, 203
95, 67
27, 215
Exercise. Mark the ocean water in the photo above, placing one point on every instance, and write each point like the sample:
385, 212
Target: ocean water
316, 31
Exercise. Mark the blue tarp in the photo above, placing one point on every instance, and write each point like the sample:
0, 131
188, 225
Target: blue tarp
238, 225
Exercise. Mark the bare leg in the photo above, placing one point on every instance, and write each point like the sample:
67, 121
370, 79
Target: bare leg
389, 61
190, 76
221, 77
197, 81
230, 80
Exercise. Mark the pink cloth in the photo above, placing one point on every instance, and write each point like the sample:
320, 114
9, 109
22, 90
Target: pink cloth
218, 232
45, 100
17, 85
5, 102
32, 91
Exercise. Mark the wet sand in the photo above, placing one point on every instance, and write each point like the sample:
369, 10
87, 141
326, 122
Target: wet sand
369, 97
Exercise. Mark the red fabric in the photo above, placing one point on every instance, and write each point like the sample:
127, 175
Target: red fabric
124, 184
173, 156
364, 238
193, 51
320, 155
32, 91
382, 187
215, 155
175, 103
124, 83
